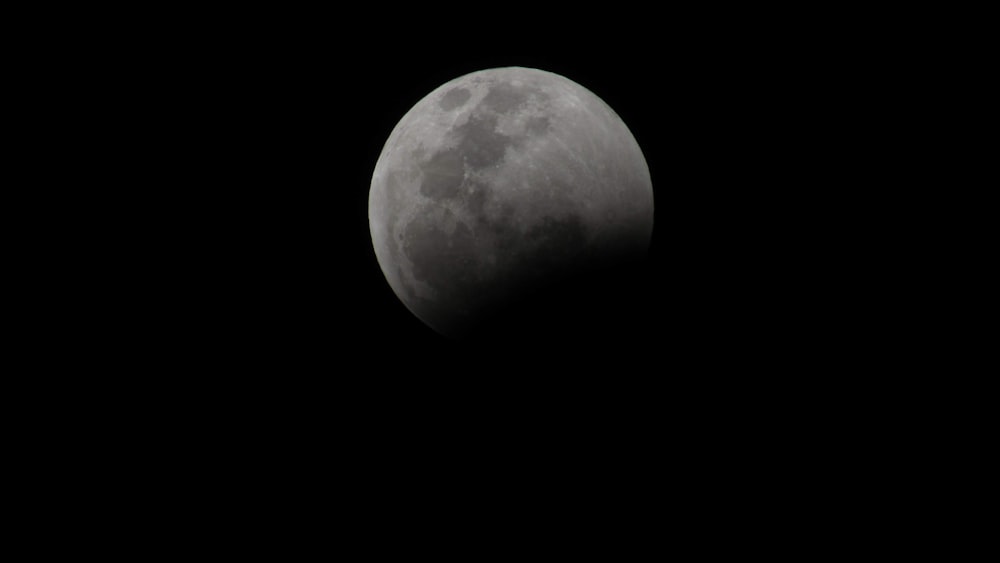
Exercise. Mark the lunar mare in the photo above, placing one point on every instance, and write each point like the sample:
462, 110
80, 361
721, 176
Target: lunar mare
501, 181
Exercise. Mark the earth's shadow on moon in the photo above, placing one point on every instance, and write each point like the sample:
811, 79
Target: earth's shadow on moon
606, 306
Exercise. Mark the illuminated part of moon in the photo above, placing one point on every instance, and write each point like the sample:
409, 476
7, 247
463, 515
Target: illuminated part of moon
499, 182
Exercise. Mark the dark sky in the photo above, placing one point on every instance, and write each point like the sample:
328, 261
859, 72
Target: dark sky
272, 128
306, 121
258, 330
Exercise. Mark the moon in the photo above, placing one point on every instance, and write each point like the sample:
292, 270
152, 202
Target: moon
499, 183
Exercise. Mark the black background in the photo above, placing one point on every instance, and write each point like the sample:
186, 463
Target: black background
264, 344
260, 133
270, 134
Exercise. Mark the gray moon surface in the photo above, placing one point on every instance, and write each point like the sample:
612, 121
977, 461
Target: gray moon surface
501, 182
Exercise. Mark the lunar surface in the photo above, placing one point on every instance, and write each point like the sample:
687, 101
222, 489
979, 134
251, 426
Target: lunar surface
498, 183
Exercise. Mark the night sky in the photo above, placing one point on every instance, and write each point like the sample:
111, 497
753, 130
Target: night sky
258, 331
267, 129
270, 136
312, 128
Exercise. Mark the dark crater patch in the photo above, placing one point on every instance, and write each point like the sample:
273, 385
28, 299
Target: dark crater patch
442, 261
504, 96
454, 98
481, 145
443, 175
538, 125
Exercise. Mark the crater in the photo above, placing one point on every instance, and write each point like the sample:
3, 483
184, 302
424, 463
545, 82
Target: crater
445, 262
443, 175
481, 144
504, 97
454, 98
537, 125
